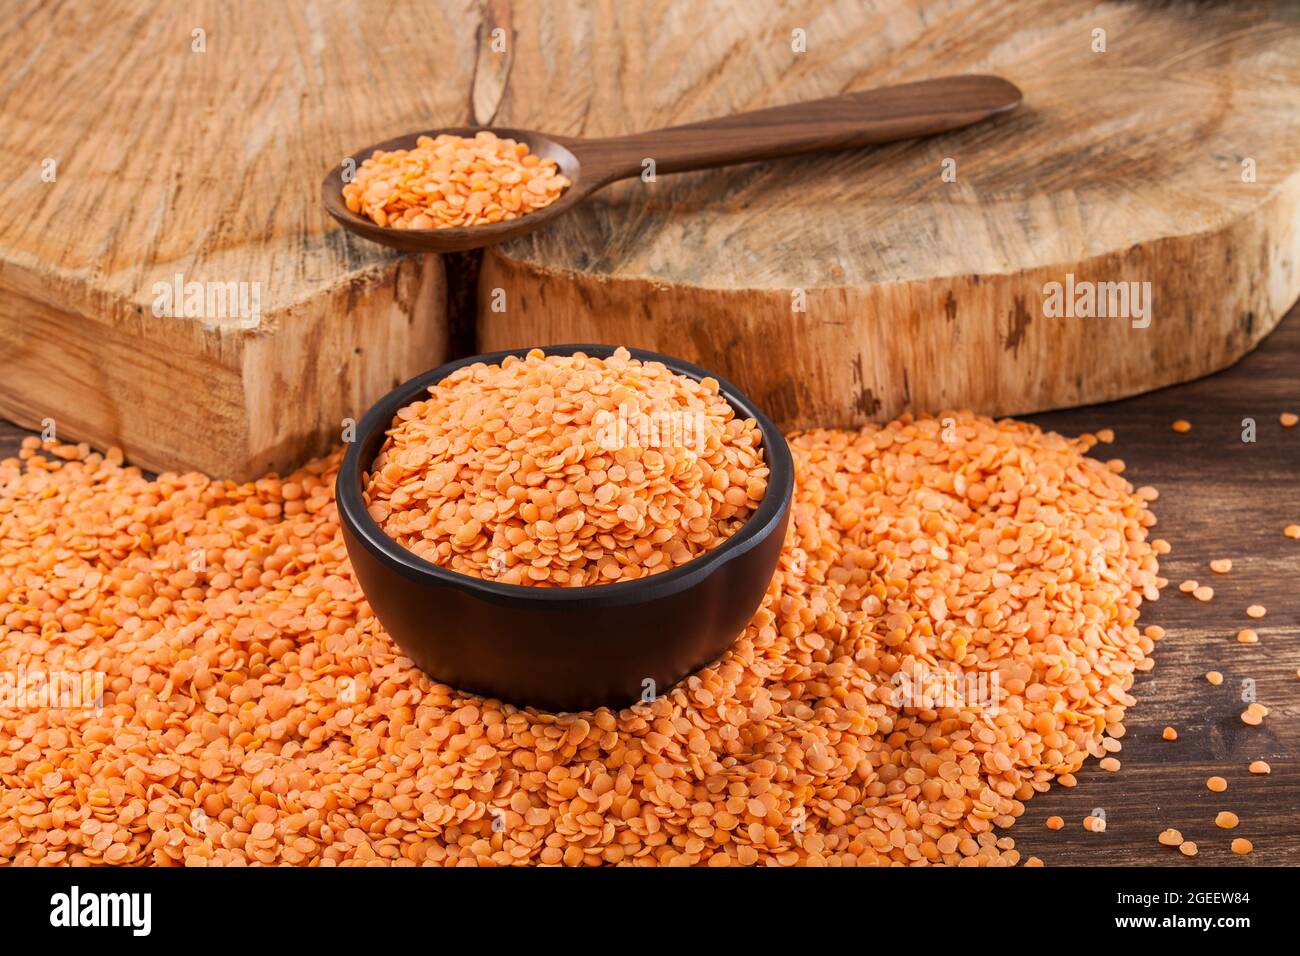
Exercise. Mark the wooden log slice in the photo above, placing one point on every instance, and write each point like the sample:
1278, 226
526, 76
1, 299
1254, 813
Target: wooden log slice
1171, 157
190, 139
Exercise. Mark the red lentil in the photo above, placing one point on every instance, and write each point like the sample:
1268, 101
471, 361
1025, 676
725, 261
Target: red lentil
1242, 846
1187, 848
1256, 610
449, 181
1217, 784
1226, 820
1214, 677
1170, 837
1182, 425
260, 691
1055, 823
1260, 767
1254, 714
1221, 565
518, 471
1169, 734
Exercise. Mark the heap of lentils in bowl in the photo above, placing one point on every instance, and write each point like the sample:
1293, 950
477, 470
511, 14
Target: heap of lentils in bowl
566, 470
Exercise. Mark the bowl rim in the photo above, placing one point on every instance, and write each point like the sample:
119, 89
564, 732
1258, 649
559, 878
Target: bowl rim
769, 515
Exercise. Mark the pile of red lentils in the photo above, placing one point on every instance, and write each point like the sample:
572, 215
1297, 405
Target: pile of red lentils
255, 713
566, 470
453, 181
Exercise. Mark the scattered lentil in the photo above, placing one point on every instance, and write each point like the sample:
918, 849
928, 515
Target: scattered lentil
1187, 848
1217, 784
1214, 677
1094, 824
1247, 635
1288, 419
1254, 714
1242, 846
1292, 531
1221, 565
448, 181
1109, 764
1256, 611
1170, 837
1226, 820
1260, 767
1203, 593
1055, 823
259, 689
1189, 586
1182, 425
1169, 734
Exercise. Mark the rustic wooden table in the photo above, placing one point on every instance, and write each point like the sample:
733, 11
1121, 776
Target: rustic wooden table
1220, 497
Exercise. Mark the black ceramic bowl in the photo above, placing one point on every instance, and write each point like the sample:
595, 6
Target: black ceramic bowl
563, 648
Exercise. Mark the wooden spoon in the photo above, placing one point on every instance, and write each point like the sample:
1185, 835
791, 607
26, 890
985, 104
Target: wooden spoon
837, 122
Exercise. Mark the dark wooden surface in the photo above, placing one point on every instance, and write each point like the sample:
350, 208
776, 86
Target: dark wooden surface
1219, 498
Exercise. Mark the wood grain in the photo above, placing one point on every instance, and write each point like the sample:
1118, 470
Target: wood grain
1123, 165
1219, 497
207, 164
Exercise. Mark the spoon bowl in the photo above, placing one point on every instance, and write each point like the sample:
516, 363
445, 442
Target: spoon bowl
847, 121
457, 238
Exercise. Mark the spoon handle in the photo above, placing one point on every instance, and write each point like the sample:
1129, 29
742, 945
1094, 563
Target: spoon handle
837, 122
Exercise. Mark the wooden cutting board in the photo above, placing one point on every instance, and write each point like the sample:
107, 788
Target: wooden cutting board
198, 154
1172, 158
